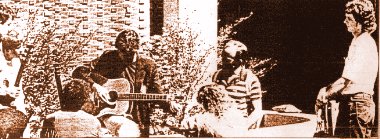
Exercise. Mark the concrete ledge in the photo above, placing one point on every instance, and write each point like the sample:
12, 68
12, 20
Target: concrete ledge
304, 129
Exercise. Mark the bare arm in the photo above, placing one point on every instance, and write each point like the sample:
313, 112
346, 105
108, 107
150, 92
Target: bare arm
337, 86
257, 114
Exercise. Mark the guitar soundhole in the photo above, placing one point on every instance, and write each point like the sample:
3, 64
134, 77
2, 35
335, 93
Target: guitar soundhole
113, 96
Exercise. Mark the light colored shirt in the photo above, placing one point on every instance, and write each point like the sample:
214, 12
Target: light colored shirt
361, 65
75, 124
9, 71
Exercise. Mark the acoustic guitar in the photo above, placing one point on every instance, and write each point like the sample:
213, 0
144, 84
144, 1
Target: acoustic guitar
120, 95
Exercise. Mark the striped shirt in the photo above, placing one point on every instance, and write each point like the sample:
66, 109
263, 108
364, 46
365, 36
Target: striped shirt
241, 87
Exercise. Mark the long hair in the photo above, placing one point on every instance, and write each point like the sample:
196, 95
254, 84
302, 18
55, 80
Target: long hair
12, 123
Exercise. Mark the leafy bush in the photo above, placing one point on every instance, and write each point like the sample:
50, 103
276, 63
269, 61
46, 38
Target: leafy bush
180, 61
46, 54
259, 66
208, 99
182, 65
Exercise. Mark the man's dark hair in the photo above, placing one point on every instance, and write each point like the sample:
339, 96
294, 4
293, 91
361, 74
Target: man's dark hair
364, 13
74, 95
127, 39
10, 43
3, 18
12, 123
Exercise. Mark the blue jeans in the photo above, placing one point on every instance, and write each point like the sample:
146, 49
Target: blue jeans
356, 116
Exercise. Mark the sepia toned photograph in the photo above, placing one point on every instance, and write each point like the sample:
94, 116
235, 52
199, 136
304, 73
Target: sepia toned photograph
189, 69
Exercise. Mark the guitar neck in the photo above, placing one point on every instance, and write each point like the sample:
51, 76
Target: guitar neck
19, 75
142, 97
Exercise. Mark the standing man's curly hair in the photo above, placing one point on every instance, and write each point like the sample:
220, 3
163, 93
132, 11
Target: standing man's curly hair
364, 13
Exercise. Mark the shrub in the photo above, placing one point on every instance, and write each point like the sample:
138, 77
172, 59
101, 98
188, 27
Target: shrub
45, 54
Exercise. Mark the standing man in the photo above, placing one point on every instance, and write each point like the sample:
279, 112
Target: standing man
354, 90
140, 71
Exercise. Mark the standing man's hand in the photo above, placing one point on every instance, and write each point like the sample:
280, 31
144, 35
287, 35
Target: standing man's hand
337, 86
322, 95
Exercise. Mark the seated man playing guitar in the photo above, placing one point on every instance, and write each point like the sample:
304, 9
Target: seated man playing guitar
130, 73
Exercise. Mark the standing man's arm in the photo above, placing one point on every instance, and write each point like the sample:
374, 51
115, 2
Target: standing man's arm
337, 86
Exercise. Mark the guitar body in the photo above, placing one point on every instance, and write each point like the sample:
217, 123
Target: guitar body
119, 97
121, 87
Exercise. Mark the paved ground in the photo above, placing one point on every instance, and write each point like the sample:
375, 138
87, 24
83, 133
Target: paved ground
281, 127
304, 129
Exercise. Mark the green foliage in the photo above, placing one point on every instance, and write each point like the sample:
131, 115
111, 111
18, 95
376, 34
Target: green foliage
227, 32
261, 66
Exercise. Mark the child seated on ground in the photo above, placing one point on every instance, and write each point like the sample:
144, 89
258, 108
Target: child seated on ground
71, 121
233, 102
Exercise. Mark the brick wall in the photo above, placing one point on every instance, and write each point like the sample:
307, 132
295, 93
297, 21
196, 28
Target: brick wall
171, 11
105, 18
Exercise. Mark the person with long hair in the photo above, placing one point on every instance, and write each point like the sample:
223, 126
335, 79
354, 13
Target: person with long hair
13, 117
10, 62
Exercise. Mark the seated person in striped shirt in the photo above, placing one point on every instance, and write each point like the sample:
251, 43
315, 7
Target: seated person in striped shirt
239, 84
232, 101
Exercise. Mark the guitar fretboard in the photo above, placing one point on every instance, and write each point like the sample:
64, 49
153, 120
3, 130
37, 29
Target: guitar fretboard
142, 97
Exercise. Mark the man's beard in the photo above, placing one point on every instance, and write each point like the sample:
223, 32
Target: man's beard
228, 66
127, 56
